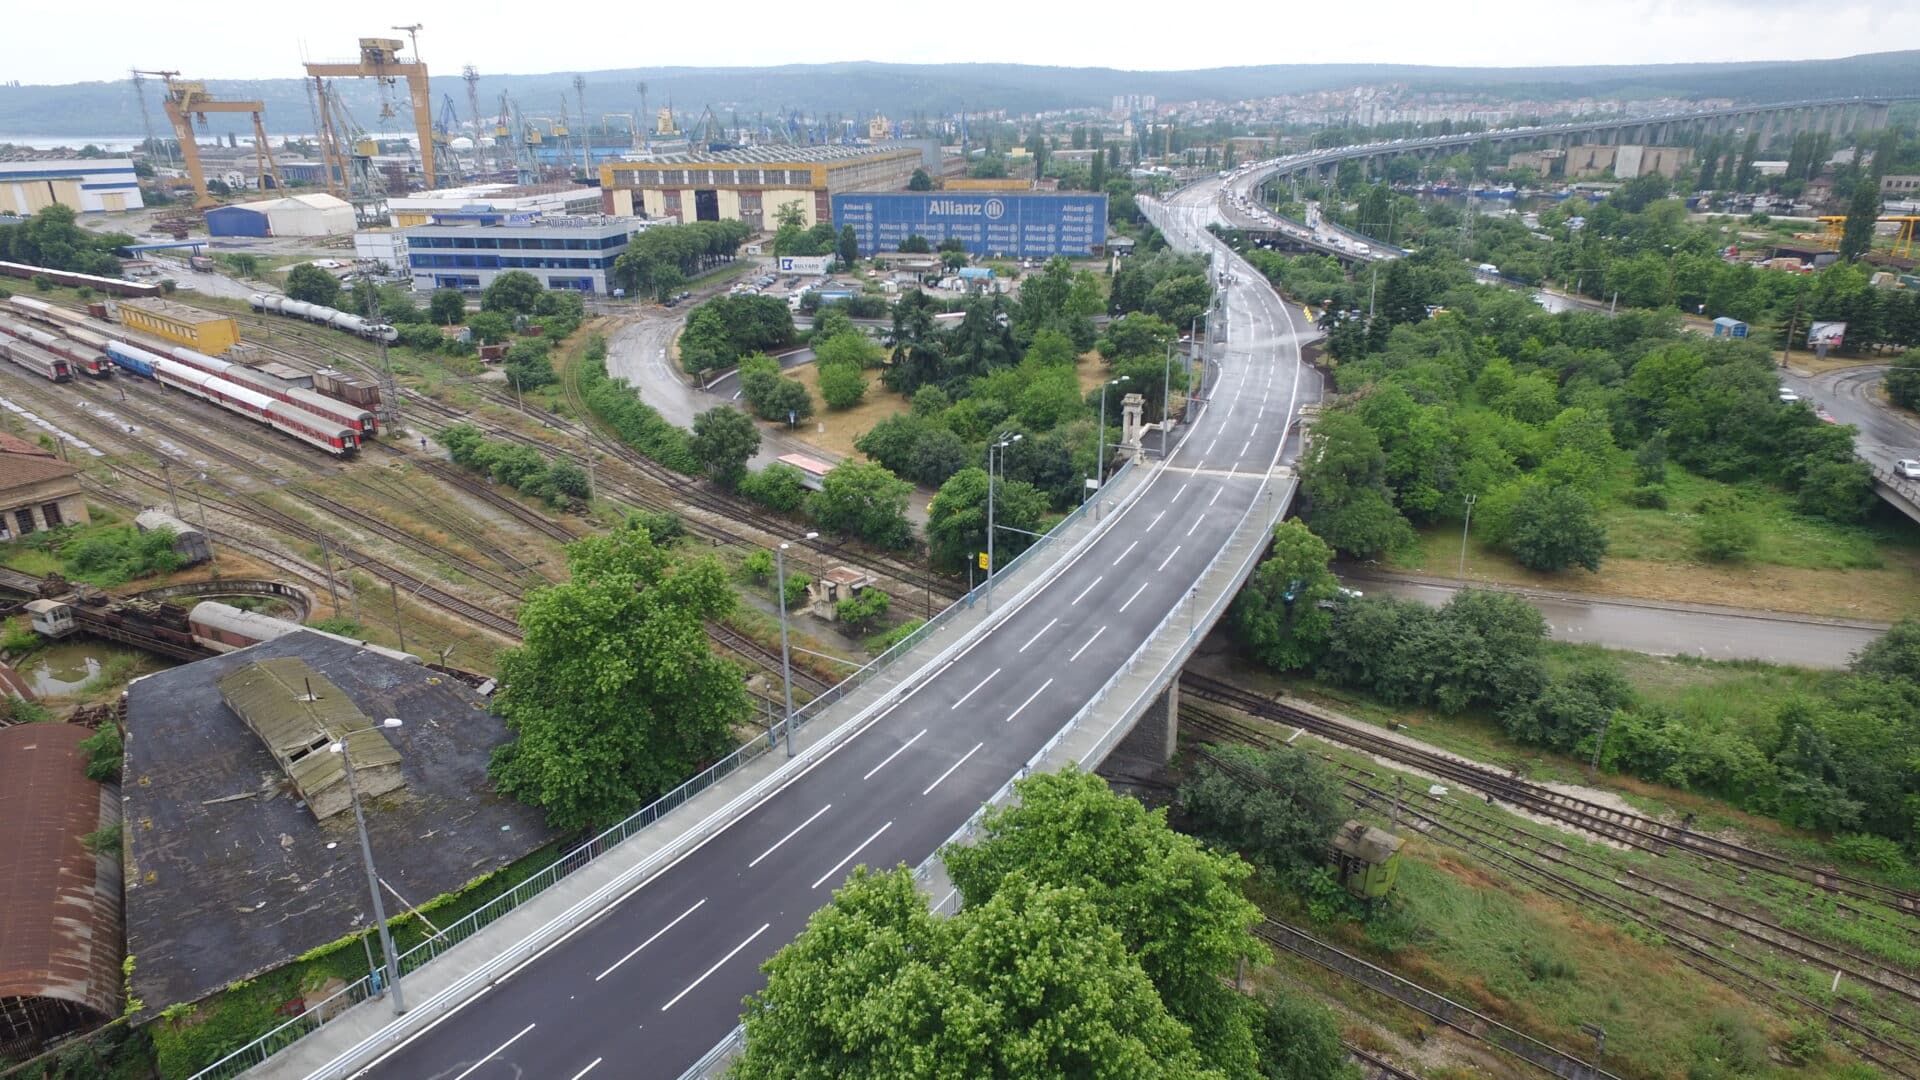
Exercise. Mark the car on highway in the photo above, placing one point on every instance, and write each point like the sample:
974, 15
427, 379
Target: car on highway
1908, 468
1788, 395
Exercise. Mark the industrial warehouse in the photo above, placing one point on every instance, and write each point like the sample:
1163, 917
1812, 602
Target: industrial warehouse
752, 184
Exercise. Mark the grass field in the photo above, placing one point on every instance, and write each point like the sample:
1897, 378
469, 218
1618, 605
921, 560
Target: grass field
1799, 563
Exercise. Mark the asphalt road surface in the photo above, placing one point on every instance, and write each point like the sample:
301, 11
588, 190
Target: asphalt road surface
1848, 394
657, 980
1668, 631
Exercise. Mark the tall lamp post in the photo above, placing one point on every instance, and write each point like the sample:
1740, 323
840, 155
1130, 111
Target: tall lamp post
1001, 446
1100, 461
786, 655
339, 746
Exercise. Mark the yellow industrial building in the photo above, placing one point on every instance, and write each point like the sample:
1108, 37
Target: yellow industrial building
202, 331
752, 183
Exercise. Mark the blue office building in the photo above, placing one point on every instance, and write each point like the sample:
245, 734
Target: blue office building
466, 251
1019, 225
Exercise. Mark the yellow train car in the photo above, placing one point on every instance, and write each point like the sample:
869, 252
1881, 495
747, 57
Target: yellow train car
202, 331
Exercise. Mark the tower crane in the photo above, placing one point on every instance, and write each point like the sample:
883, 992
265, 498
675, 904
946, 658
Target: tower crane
471, 76
379, 58
586, 133
184, 101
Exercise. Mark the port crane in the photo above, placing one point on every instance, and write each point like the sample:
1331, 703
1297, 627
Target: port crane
184, 102
380, 59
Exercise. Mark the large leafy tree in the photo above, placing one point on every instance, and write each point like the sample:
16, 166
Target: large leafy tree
310, 284
865, 500
446, 307
957, 518
1552, 528
516, 292
1856, 235
1279, 806
1177, 905
615, 696
1343, 480
1033, 982
724, 440
1284, 612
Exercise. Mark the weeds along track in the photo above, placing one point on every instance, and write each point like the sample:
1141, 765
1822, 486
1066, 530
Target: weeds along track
1703, 932
763, 657
363, 520
484, 491
1620, 826
1440, 1008
469, 530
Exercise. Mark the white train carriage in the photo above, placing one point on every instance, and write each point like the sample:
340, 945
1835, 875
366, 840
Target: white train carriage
224, 628
32, 357
336, 439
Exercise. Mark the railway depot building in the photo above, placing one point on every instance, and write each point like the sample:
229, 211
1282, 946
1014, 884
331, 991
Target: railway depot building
197, 328
752, 183
38, 491
467, 250
97, 185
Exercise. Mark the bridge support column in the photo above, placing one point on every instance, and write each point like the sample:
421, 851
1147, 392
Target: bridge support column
1157, 732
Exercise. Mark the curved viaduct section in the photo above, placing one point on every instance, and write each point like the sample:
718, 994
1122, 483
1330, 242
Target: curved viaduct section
1073, 651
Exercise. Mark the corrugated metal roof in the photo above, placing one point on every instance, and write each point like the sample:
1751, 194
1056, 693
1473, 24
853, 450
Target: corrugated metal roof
60, 932
297, 712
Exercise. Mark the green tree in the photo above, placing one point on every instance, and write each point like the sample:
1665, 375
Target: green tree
1552, 528
1177, 906
1893, 655
1097, 173
515, 292
1284, 613
778, 486
915, 244
1344, 483
1903, 380
849, 347
920, 181
842, 386
490, 327
1863, 210
614, 695
1725, 536
1032, 982
864, 500
724, 440
848, 249
957, 518
1137, 334
310, 284
1279, 807
446, 307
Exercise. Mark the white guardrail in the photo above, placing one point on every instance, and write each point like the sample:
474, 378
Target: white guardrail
313, 1016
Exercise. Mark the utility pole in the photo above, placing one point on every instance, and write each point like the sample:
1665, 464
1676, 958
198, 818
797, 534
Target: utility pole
166, 472
399, 622
1464, 526
1793, 324
333, 590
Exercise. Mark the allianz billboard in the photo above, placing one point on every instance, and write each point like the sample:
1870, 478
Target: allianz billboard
1004, 224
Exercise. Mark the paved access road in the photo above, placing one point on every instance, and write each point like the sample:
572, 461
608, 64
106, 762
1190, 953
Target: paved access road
657, 980
1666, 630
1850, 395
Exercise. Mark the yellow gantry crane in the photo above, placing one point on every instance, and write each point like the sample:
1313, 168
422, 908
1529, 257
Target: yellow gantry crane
1908, 225
186, 100
380, 59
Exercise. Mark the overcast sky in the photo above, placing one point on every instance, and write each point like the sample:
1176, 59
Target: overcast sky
46, 42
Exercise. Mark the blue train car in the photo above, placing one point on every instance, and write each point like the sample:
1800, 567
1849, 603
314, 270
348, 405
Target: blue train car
137, 360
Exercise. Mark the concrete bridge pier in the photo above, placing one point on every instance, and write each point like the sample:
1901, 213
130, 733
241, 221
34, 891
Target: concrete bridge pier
1157, 733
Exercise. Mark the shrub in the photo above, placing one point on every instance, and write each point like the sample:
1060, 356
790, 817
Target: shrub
1875, 851
842, 386
104, 751
861, 610
345, 627
777, 487
1725, 537
757, 566
881, 642
1647, 497
117, 555
795, 591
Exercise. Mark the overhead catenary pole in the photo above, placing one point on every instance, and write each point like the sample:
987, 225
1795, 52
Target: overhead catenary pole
373, 876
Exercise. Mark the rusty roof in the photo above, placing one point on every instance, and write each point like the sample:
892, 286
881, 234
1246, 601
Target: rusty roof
25, 470
60, 930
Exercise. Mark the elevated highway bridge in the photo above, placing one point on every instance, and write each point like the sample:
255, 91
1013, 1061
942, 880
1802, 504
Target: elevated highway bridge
642, 955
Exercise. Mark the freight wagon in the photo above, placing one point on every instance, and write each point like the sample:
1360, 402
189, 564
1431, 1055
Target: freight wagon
326, 316
110, 286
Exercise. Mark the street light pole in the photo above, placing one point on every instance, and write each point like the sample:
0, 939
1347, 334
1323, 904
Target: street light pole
1001, 445
786, 652
1100, 460
366, 857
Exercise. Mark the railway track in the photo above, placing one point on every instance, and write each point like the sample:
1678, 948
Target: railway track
406, 539
481, 489
1621, 826
1703, 932
752, 651
1438, 1007
468, 530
